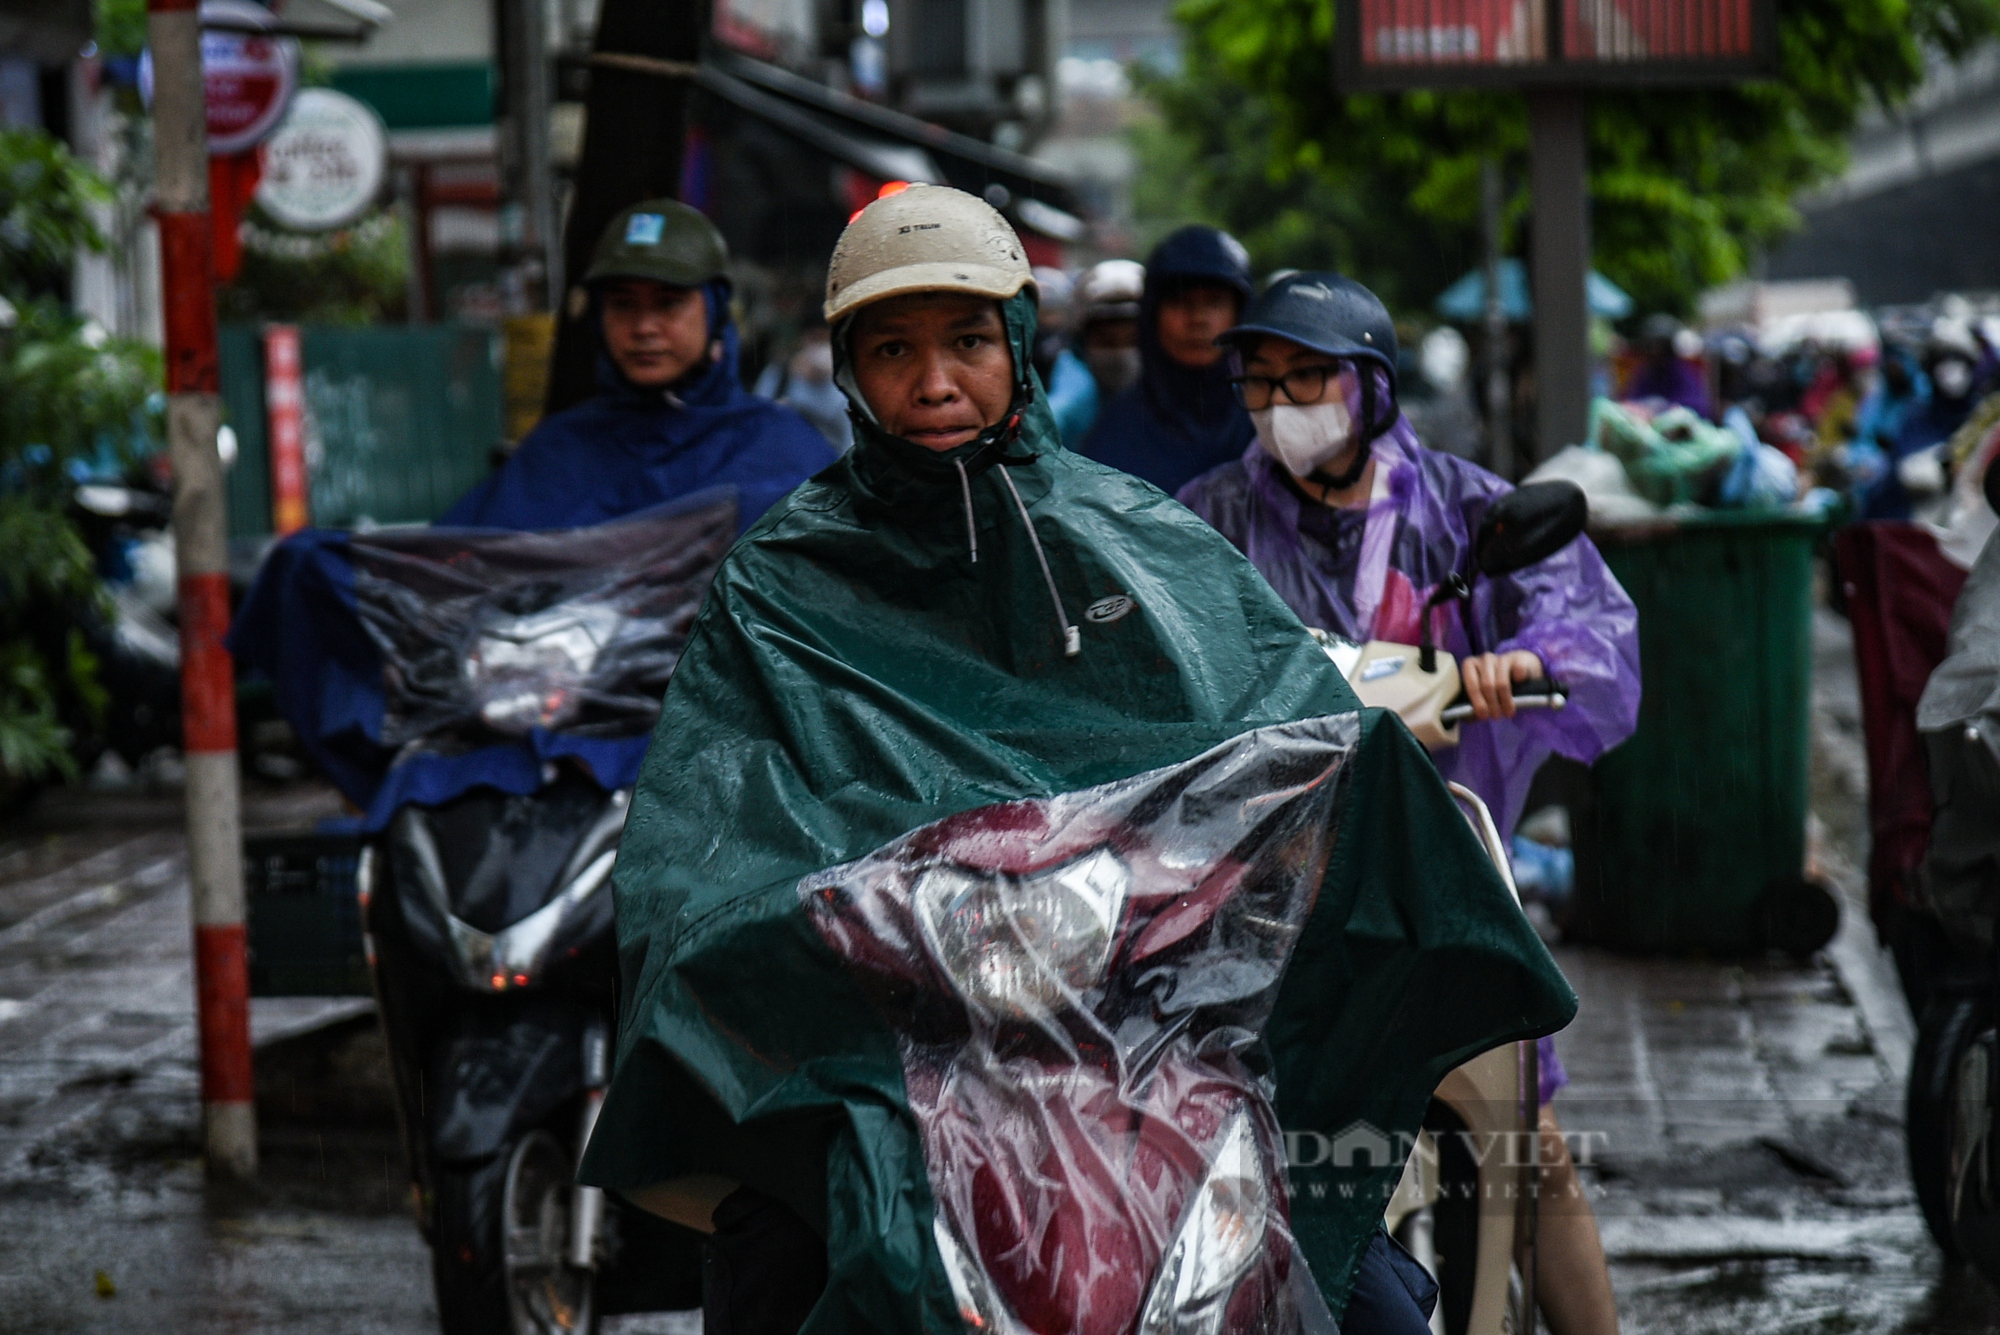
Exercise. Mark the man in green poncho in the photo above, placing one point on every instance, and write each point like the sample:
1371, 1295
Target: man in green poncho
955, 614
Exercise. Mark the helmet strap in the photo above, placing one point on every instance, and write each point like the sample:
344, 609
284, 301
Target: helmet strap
1347, 476
998, 436
1008, 429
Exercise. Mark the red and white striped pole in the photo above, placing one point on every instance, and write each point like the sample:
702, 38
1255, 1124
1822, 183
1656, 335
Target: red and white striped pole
208, 690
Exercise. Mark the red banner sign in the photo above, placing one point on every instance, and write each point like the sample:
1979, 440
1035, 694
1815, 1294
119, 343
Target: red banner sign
285, 423
1433, 43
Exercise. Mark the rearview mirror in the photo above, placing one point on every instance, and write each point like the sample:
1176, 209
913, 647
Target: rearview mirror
1527, 525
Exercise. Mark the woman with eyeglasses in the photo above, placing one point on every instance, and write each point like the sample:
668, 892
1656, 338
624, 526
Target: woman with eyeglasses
1355, 523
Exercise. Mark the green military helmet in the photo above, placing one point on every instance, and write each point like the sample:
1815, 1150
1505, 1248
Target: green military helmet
663, 240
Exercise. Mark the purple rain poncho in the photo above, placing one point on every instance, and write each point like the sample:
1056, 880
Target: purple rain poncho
1366, 574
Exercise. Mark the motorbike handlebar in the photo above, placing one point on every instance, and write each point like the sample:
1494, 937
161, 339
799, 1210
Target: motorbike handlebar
1535, 693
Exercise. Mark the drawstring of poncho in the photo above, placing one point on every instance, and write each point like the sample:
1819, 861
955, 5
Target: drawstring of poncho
1072, 639
971, 528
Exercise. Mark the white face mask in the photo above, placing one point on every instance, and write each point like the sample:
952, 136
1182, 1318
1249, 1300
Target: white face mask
1303, 438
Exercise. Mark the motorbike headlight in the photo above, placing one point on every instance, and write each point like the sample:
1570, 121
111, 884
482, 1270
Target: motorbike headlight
525, 671
1221, 1233
1017, 945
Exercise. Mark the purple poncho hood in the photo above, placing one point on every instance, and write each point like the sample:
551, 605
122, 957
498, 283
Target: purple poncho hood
1569, 610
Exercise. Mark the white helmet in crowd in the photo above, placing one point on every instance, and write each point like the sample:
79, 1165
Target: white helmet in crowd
927, 238
1110, 291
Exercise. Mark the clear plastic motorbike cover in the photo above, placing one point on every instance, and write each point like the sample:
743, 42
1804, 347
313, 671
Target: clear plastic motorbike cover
502, 633
1078, 985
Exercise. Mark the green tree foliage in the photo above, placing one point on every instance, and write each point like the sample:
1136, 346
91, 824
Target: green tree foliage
45, 200
70, 399
121, 27
1686, 184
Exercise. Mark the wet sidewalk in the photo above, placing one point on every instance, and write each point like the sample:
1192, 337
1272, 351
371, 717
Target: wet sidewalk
1749, 1172
109, 1226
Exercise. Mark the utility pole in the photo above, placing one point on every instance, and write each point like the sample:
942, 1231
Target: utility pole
635, 129
1558, 166
1499, 405
208, 692
526, 84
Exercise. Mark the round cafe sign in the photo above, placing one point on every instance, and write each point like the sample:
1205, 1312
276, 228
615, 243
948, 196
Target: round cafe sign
323, 167
248, 77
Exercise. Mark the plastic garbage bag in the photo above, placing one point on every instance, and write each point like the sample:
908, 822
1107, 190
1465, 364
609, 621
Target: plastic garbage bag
1673, 458
1604, 482
1543, 872
1763, 476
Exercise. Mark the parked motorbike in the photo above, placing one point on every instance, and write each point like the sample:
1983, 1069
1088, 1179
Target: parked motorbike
488, 915
133, 636
1950, 933
1483, 1258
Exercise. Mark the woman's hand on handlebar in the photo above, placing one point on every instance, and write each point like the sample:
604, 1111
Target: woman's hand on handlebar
1489, 681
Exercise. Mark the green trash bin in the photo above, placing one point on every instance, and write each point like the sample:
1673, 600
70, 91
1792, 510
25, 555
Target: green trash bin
1691, 835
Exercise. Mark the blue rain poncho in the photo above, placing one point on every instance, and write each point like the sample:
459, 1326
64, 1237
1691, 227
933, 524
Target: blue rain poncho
627, 448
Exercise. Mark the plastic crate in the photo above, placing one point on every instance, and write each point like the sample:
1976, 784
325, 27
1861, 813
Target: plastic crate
305, 917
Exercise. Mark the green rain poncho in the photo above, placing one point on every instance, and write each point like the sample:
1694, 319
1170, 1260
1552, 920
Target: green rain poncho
855, 674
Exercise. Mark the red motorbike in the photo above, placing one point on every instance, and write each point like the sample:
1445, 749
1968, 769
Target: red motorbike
1078, 984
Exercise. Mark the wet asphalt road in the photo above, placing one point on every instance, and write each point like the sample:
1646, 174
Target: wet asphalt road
1746, 1153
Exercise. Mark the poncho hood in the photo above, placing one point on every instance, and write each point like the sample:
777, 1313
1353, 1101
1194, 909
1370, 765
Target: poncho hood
856, 674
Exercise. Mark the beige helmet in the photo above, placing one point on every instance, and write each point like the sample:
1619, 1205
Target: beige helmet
928, 238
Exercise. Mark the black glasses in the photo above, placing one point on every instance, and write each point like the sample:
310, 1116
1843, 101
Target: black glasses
1302, 385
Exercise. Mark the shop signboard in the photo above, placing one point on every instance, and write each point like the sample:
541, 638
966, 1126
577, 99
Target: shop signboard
324, 166
249, 75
